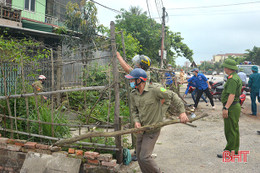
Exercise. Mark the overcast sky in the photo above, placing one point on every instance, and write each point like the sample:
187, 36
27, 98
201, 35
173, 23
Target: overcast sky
231, 26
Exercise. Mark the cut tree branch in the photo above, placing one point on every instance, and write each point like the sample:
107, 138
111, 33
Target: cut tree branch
121, 132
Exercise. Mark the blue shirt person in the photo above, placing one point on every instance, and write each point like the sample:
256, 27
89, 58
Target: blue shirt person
203, 86
194, 92
254, 84
169, 75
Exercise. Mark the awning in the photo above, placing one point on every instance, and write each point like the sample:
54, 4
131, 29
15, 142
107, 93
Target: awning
36, 26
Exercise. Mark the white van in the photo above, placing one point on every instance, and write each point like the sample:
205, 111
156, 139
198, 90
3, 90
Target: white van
247, 70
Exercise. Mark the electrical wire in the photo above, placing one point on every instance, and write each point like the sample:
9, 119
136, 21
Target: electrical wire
215, 6
158, 10
162, 3
114, 10
148, 8
217, 13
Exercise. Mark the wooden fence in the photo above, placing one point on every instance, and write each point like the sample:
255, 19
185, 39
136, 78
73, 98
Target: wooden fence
53, 69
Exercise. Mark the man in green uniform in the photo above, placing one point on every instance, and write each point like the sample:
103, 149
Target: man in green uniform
254, 84
231, 107
146, 109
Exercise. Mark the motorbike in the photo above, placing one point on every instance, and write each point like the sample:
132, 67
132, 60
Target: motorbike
216, 89
242, 97
219, 89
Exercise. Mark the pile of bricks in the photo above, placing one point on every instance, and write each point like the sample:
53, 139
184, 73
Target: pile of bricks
95, 160
24, 146
91, 161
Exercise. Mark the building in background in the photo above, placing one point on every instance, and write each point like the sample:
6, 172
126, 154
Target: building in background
222, 57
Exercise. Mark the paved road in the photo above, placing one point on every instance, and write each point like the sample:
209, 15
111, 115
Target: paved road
184, 149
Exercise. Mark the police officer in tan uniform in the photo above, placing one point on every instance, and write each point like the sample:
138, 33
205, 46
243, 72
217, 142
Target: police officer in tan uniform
231, 106
146, 109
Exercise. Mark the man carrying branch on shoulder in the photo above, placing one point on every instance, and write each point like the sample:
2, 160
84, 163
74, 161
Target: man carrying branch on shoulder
146, 109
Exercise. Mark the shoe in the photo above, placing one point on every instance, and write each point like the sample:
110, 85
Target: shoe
253, 114
220, 155
153, 155
134, 158
258, 132
213, 107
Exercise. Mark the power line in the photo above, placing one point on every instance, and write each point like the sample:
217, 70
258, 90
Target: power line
218, 13
114, 10
158, 10
148, 9
162, 3
215, 6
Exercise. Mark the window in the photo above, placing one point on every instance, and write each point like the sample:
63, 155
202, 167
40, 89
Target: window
29, 5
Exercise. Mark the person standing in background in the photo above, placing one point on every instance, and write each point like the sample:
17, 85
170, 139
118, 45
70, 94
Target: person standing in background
254, 84
242, 76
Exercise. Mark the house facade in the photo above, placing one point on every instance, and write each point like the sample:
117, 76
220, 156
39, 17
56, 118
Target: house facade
42, 15
222, 57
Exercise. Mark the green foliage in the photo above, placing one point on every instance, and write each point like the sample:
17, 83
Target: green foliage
205, 66
95, 75
45, 116
148, 33
132, 45
14, 50
253, 55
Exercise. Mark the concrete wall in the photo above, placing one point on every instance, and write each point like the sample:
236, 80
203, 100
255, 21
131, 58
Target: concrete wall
38, 14
11, 161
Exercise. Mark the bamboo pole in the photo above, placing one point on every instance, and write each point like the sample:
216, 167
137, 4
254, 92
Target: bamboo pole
52, 85
128, 91
122, 132
57, 124
37, 109
119, 154
26, 98
57, 139
55, 92
59, 73
15, 120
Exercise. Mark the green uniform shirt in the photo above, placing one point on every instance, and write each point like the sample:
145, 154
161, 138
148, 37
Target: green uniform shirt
147, 108
38, 85
232, 86
254, 82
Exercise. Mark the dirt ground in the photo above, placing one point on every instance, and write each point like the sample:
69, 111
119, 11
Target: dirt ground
181, 148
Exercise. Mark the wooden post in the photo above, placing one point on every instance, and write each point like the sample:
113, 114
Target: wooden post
128, 92
26, 98
59, 73
15, 120
119, 154
52, 85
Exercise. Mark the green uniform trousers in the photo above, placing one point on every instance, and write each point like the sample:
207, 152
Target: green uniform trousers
231, 128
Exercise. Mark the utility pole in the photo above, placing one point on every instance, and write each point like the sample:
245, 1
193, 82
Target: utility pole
163, 33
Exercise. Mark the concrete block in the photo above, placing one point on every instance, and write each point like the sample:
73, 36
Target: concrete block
36, 162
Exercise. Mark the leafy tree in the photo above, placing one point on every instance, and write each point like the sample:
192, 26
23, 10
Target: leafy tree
205, 66
132, 45
148, 33
253, 55
237, 59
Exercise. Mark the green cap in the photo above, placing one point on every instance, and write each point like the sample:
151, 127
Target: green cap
254, 68
230, 63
